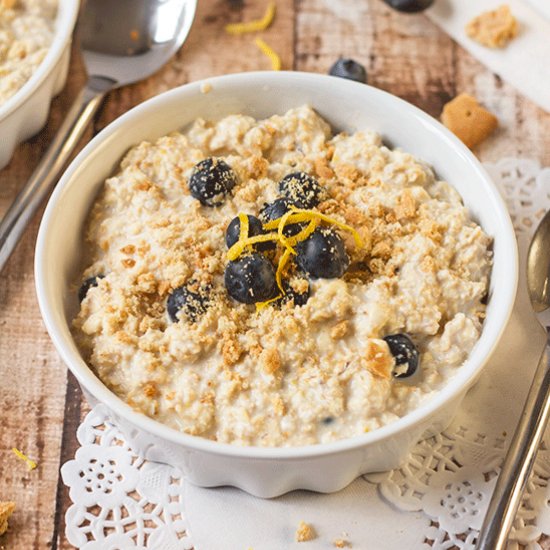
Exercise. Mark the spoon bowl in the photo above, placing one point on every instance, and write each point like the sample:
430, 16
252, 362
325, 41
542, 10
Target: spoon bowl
538, 266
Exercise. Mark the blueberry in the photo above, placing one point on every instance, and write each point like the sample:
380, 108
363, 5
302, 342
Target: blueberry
409, 6
87, 284
323, 255
191, 299
327, 420
250, 279
302, 189
212, 179
275, 210
350, 69
255, 228
405, 353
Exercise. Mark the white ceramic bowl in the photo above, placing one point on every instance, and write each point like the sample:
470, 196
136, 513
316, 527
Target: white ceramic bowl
26, 112
269, 472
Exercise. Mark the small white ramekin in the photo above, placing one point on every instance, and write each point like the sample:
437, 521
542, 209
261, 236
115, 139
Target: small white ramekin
347, 105
26, 112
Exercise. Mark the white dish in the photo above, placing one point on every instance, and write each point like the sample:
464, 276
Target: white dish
26, 112
269, 472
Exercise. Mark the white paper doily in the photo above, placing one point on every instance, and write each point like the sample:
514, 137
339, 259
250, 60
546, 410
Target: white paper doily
436, 500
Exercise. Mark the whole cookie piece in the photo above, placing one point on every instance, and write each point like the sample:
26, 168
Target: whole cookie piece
6, 510
468, 120
493, 29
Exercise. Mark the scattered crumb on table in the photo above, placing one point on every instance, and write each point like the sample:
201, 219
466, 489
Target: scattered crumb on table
305, 532
493, 29
6, 510
468, 120
342, 543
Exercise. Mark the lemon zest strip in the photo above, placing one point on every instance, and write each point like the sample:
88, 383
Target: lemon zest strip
31, 464
239, 247
283, 260
254, 25
243, 230
280, 228
262, 305
304, 233
300, 215
269, 52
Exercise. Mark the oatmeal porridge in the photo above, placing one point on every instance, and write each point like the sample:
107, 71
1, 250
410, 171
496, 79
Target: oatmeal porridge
26, 33
269, 283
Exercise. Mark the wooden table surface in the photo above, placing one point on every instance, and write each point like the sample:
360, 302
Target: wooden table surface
40, 403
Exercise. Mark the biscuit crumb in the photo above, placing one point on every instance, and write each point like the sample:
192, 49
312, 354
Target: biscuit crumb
379, 361
231, 351
270, 360
493, 29
206, 88
8, 4
342, 543
6, 510
468, 120
339, 330
305, 532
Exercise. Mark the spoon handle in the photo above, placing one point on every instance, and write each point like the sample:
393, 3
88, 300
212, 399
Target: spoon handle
519, 460
46, 174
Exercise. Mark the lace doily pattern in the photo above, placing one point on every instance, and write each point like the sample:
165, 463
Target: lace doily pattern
120, 500
124, 502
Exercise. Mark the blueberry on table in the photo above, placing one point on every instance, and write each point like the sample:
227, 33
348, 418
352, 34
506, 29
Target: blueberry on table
409, 6
87, 284
275, 210
405, 353
350, 69
212, 179
323, 255
255, 228
191, 300
250, 279
302, 189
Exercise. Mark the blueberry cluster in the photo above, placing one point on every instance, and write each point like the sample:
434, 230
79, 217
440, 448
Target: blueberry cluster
251, 278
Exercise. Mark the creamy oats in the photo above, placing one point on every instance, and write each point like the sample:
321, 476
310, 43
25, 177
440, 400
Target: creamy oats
26, 33
284, 375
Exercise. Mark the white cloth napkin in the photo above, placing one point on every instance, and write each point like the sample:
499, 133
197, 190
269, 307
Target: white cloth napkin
525, 62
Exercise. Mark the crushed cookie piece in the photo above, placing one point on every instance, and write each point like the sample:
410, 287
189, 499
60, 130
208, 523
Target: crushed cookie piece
305, 532
468, 120
8, 4
206, 88
322, 169
150, 389
406, 205
231, 351
128, 262
493, 29
339, 330
6, 510
342, 543
381, 249
270, 360
128, 249
379, 360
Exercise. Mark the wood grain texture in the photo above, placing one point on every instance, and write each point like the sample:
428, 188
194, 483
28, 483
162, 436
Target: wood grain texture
41, 406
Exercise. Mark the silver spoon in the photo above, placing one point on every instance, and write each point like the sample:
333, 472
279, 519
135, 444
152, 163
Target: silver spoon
122, 41
536, 411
